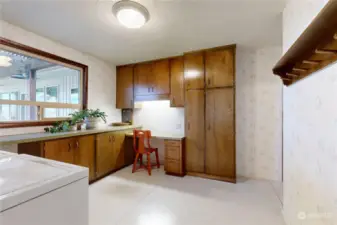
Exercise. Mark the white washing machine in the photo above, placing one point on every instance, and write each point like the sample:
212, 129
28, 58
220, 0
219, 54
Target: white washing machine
37, 191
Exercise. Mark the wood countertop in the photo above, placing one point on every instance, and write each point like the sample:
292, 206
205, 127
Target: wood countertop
32, 137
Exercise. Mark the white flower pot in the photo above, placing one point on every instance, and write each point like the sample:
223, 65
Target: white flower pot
92, 123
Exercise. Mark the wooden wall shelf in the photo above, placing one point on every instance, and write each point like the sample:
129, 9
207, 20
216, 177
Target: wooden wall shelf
315, 49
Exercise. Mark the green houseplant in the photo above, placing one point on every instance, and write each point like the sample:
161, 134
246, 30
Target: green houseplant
94, 117
77, 119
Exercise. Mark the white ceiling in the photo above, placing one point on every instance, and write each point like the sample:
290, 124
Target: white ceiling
175, 26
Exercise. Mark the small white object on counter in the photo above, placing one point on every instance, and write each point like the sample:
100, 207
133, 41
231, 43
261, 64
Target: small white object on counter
40, 191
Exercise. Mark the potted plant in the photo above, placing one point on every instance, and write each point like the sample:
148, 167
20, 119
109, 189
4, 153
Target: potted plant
77, 119
94, 117
57, 127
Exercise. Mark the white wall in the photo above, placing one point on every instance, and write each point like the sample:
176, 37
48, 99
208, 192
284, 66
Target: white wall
310, 130
258, 114
102, 75
158, 117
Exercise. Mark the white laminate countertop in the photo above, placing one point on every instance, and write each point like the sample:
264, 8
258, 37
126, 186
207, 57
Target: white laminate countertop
32, 137
163, 136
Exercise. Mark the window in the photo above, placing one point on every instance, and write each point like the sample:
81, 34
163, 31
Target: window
38, 87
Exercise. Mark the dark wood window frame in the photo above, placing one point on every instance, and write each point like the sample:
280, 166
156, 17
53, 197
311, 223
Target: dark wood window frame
38, 52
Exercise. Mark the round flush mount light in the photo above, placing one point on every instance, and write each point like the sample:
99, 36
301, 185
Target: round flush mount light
5, 61
130, 14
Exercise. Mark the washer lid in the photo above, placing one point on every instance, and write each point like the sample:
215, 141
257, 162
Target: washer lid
24, 177
17, 173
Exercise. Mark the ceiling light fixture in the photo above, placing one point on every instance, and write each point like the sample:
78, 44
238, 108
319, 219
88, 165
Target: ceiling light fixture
5, 61
130, 14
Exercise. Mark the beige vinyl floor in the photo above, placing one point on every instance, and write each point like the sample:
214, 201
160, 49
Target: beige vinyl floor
124, 198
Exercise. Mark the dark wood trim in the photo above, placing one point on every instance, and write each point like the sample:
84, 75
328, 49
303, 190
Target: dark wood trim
38, 52
315, 40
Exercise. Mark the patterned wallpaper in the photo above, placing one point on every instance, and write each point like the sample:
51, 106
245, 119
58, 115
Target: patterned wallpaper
102, 78
310, 129
258, 114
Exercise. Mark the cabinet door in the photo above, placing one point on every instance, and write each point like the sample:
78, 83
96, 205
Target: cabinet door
124, 96
119, 148
105, 156
161, 77
60, 150
220, 133
85, 153
142, 79
219, 68
177, 82
195, 131
194, 73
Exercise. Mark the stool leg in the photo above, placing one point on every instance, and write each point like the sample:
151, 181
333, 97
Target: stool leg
149, 164
157, 159
141, 161
135, 163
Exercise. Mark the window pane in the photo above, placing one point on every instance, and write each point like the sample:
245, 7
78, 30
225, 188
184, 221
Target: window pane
40, 94
15, 113
24, 77
57, 113
59, 84
38, 79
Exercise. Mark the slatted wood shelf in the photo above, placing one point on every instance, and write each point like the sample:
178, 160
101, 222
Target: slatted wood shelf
315, 49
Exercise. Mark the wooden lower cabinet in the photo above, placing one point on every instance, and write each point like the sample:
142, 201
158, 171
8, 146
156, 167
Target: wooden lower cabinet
105, 154
85, 154
60, 150
175, 157
102, 153
77, 150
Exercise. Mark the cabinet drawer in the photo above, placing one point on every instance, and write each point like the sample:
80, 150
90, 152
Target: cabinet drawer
173, 166
171, 143
173, 152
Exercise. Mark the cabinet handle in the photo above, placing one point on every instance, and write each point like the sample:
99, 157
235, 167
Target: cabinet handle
209, 81
109, 138
113, 138
148, 90
77, 144
69, 147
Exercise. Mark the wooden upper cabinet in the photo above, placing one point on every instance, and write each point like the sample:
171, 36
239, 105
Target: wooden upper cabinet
219, 68
177, 82
84, 154
161, 77
143, 79
60, 150
194, 72
124, 96
220, 133
195, 131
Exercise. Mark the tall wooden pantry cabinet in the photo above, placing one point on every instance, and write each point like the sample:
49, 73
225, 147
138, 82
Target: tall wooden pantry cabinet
210, 113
